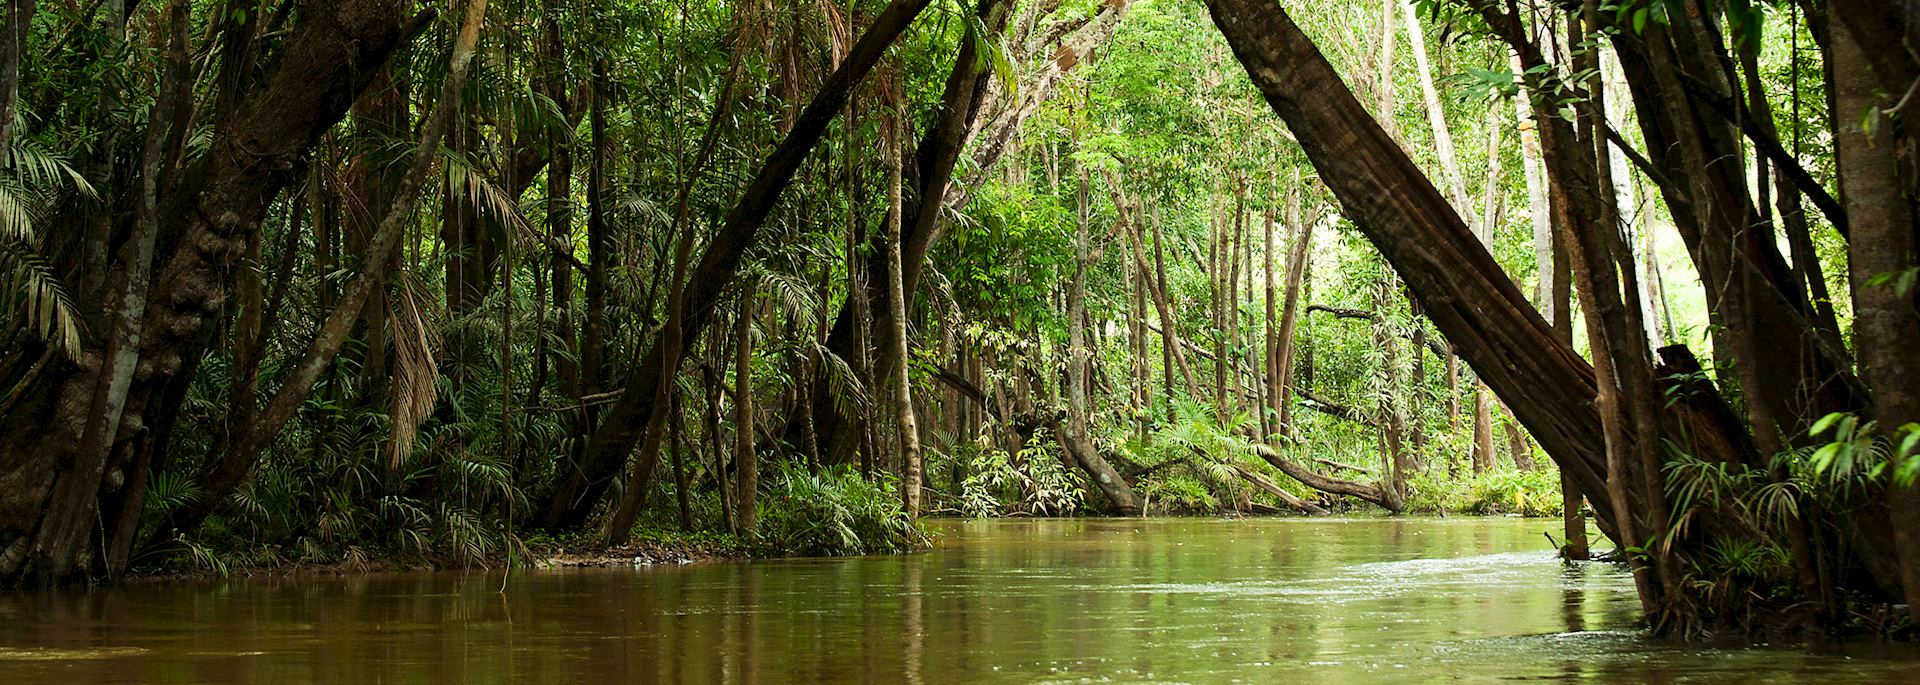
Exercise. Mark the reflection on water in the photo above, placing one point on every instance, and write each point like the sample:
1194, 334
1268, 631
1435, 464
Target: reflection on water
1127, 600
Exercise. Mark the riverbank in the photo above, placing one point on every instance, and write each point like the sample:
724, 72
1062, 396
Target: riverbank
648, 547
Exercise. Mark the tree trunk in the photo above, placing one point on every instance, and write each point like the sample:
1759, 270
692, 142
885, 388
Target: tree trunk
59, 545
1483, 456
674, 341
747, 502
1459, 285
18, 24
909, 429
1290, 318
717, 267
1436, 113
228, 472
205, 224
1271, 396
934, 160
677, 432
1882, 249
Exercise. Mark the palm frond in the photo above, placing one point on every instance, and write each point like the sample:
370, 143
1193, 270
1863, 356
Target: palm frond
17, 211
849, 397
35, 165
416, 344
469, 184
35, 293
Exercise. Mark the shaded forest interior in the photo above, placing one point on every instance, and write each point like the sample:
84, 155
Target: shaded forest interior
304, 281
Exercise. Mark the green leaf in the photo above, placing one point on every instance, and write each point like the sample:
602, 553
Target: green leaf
1825, 422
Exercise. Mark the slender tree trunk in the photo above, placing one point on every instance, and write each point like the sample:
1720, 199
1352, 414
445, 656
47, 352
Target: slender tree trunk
1168, 327
934, 160
747, 502
1217, 249
909, 429
1077, 353
1272, 398
1297, 266
1517, 448
18, 24
677, 430
712, 429
673, 337
1456, 182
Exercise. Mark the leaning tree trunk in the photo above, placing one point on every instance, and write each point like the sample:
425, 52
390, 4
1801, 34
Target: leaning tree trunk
1290, 320
935, 157
719, 264
1462, 289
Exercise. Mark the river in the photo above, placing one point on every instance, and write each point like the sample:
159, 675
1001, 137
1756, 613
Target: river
1293, 600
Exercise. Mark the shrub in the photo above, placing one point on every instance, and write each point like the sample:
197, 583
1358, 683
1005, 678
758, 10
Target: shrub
834, 513
1527, 493
1032, 481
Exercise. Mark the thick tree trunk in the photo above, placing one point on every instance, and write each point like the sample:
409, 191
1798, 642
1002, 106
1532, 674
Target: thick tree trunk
1121, 499
231, 469
1882, 251
322, 65
1483, 456
1791, 372
59, 545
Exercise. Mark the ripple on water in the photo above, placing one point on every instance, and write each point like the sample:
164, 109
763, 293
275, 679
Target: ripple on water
1502, 573
51, 654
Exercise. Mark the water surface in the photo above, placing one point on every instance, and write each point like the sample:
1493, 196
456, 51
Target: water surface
1032, 601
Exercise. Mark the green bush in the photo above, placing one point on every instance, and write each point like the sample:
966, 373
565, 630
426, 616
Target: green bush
1032, 481
1494, 493
834, 513
1527, 493
1178, 494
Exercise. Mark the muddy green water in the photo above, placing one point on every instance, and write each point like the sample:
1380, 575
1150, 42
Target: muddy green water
1039, 601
